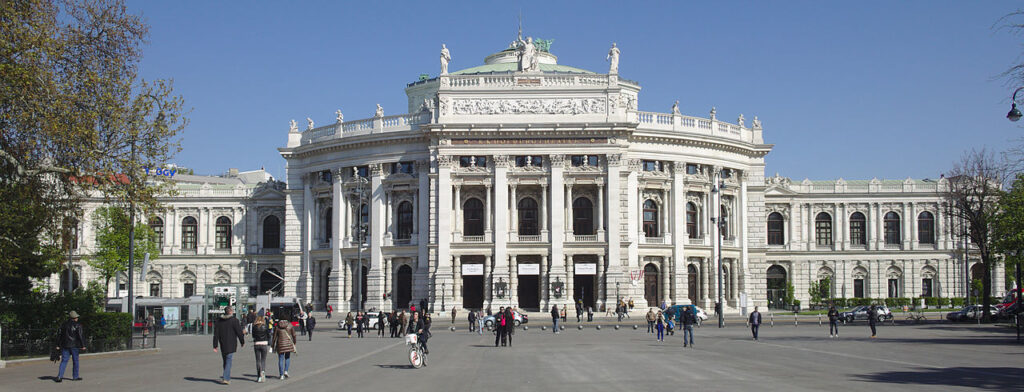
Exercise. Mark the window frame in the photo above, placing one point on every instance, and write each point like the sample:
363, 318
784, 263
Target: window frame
891, 224
404, 220
861, 239
691, 221
823, 229
926, 228
274, 235
527, 225
650, 226
776, 236
189, 238
222, 233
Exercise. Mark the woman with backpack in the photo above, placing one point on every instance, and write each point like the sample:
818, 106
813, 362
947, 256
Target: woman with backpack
261, 345
348, 323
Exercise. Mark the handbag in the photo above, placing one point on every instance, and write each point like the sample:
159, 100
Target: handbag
55, 355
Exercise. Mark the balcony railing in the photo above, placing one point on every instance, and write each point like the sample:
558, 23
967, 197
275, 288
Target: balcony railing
403, 241
529, 238
654, 240
696, 241
472, 238
585, 238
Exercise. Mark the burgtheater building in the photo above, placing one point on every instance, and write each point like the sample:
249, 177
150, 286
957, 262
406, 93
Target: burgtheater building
529, 183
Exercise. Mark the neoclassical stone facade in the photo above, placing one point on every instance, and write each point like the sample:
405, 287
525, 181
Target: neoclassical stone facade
539, 184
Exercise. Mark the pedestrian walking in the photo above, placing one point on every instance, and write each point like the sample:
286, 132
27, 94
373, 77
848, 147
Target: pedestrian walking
381, 322
360, 319
833, 322
631, 304
755, 322
689, 319
872, 319
330, 309
227, 330
660, 326
472, 320
302, 322
348, 323
284, 344
579, 311
650, 320
564, 317
554, 318
499, 327
480, 322
403, 320
453, 315
590, 314
310, 324
261, 346
510, 324
70, 342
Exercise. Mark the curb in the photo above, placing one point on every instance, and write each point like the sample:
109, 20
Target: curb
124, 353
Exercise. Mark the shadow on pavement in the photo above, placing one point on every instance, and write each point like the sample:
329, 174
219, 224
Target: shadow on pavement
973, 377
48, 378
396, 366
197, 379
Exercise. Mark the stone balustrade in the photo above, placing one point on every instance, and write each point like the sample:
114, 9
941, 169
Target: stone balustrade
680, 123
396, 123
471, 82
860, 186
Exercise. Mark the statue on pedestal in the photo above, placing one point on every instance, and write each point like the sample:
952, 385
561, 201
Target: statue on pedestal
740, 120
292, 126
309, 123
380, 111
445, 58
339, 116
756, 123
613, 56
675, 107
527, 51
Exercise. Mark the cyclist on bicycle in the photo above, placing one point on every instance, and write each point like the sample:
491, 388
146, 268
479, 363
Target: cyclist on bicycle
422, 330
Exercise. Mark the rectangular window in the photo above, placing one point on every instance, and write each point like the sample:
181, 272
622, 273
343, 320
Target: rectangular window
583, 160
652, 166
188, 237
926, 231
325, 176
223, 236
403, 167
894, 288
926, 287
823, 230
857, 233
858, 288
189, 289
472, 161
691, 168
528, 160
122, 286
363, 171
154, 289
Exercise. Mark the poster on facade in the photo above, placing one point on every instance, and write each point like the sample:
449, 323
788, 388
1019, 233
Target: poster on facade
172, 316
586, 269
472, 269
529, 269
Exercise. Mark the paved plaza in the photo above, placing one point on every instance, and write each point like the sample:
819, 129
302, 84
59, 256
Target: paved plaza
903, 357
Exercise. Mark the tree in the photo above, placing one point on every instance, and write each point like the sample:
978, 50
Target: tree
973, 191
76, 120
1008, 229
820, 290
111, 256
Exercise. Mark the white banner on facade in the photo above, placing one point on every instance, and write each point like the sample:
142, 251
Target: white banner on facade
529, 269
586, 269
472, 269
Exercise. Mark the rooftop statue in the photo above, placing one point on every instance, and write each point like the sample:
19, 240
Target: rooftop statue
380, 111
292, 126
309, 122
446, 56
740, 120
675, 107
713, 112
528, 60
613, 56
544, 45
756, 123
339, 116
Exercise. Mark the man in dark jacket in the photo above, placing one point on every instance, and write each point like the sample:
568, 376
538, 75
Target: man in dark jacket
423, 331
872, 319
510, 324
579, 311
833, 322
70, 340
225, 332
310, 324
554, 318
499, 327
472, 321
755, 322
689, 319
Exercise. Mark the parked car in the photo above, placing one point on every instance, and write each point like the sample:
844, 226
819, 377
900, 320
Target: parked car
970, 312
861, 313
519, 319
676, 312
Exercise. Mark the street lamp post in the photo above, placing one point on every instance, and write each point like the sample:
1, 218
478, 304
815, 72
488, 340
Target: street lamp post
1014, 114
719, 305
360, 229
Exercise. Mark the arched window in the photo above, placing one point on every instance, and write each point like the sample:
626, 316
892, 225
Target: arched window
858, 229
892, 228
582, 216
473, 221
823, 228
527, 210
650, 218
328, 224
691, 220
926, 228
189, 234
157, 225
404, 221
223, 233
723, 218
776, 235
271, 232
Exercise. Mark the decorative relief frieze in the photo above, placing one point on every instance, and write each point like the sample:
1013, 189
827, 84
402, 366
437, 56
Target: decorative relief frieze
529, 106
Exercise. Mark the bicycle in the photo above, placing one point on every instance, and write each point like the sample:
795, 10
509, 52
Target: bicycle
417, 358
916, 317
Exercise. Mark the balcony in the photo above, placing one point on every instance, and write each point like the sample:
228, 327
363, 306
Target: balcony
696, 241
585, 238
473, 238
653, 240
405, 241
529, 238
269, 251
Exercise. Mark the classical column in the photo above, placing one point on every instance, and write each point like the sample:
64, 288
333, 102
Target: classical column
488, 214
791, 241
415, 220
600, 210
600, 292
457, 281
375, 281
513, 227
665, 272
488, 284
389, 218
458, 210
544, 211
334, 287
568, 212
705, 285
513, 280
663, 216
570, 273
544, 284
387, 283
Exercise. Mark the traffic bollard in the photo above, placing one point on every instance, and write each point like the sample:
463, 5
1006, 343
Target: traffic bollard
795, 322
771, 319
819, 319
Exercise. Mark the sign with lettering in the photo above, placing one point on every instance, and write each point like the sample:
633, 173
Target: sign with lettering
529, 269
161, 172
472, 269
586, 269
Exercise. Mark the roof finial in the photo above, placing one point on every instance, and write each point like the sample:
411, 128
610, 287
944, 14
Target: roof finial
519, 37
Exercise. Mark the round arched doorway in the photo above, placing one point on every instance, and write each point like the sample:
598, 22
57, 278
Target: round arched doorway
403, 293
776, 287
652, 292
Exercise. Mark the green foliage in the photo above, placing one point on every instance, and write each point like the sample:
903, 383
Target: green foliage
106, 326
76, 118
820, 290
111, 255
47, 311
790, 293
1008, 228
957, 302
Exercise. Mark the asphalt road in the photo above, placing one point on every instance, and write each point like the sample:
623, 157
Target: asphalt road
903, 357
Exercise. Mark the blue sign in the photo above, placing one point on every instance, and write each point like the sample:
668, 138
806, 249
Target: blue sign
162, 172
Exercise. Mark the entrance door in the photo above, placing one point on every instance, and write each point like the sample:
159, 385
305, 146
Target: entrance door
404, 290
366, 271
776, 287
583, 289
473, 291
691, 282
325, 285
651, 290
529, 292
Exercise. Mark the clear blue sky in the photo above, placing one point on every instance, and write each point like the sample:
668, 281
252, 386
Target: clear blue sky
844, 89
